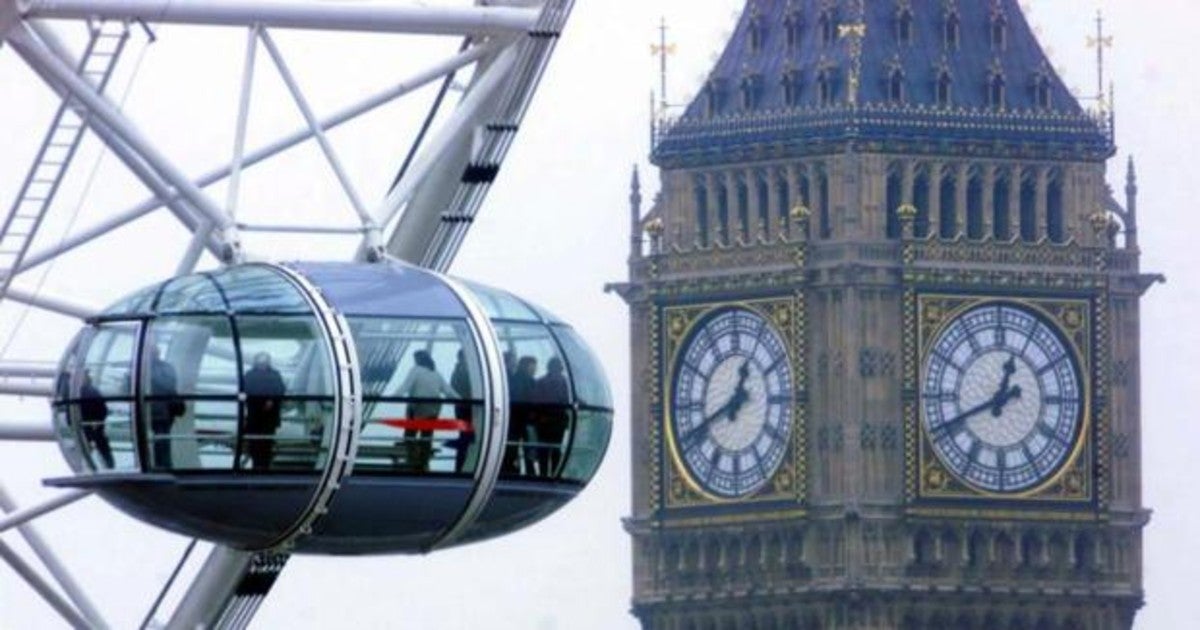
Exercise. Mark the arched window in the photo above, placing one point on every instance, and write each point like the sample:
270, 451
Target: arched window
1055, 219
828, 27
894, 199
896, 86
999, 32
921, 196
952, 31
1029, 228
702, 206
762, 189
791, 27
974, 206
749, 91
791, 87
904, 26
996, 85
1000, 203
948, 198
712, 99
826, 218
1041, 91
825, 86
743, 210
944, 89
754, 38
723, 198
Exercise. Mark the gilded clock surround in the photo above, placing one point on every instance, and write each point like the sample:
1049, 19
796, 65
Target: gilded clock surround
787, 484
1072, 482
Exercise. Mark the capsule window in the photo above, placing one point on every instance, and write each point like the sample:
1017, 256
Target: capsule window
260, 290
189, 390
288, 393
105, 396
190, 294
541, 411
422, 396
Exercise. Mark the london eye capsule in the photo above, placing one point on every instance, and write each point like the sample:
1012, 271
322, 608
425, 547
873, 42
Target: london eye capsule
331, 408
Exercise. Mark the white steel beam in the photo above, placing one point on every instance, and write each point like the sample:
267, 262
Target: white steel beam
103, 116
9, 369
351, 15
315, 127
417, 81
52, 304
410, 238
13, 432
21, 517
54, 566
35, 581
32, 389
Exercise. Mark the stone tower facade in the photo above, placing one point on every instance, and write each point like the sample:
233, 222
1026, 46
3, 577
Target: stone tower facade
885, 335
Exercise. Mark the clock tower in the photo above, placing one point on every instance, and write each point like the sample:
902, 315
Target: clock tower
885, 333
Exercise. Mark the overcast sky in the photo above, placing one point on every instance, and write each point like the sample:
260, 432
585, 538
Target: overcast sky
555, 230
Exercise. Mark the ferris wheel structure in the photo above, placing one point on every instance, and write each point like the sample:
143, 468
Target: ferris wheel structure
474, 100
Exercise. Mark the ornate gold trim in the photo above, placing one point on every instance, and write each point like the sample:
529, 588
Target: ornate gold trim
789, 481
1072, 320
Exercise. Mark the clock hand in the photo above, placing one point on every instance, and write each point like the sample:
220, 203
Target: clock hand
952, 424
729, 409
740, 394
1000, 398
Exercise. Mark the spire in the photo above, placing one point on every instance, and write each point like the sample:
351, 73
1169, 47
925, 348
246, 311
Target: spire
635, 215
1131, 194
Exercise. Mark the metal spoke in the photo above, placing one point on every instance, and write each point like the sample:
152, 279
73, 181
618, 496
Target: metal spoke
365, 17
20, 517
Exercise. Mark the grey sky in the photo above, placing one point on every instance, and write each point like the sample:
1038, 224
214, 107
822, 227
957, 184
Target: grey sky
555, 230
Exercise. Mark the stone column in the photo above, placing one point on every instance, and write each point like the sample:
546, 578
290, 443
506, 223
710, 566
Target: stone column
962, 179
770, 226
934, 211
1041, 214
710, 208
989, 201
1014, 202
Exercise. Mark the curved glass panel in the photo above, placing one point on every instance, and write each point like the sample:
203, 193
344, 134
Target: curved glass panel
540, 400
200, 348
591, 387
288, 384
394, 290
135, 303
66, 417
191, 294
256, 289
502, 305
190, 387
588, 443
105, 396
422, 383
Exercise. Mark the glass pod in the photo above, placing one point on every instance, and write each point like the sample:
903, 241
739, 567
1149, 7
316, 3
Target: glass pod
331, 408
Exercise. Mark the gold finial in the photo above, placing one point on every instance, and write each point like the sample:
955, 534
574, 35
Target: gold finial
907, 212
654, 227
800, 213
1100, 222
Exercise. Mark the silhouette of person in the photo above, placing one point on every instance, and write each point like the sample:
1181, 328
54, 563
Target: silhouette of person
521, 431
552, 394
425, 384
460, 381
264, 396
164, 405
93, 411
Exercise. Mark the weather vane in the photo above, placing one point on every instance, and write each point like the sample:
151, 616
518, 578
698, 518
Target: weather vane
662, 50
854, 33
1100, 42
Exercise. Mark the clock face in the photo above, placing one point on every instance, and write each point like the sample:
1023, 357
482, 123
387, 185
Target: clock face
731, 403
1002, 398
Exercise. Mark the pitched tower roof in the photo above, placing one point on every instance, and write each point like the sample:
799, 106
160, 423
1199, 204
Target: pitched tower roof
800, 75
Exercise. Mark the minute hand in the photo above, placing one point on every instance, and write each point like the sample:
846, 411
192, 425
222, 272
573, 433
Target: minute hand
951, 425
